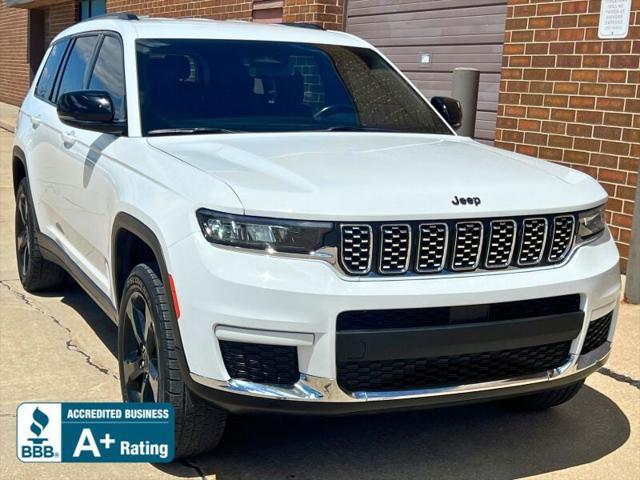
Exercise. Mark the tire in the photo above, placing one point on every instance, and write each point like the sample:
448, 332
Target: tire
34, 271
149, 369
546, 399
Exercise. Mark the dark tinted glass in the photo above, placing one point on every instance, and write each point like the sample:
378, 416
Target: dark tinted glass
48, 75
76, 70
108, 74
274, 86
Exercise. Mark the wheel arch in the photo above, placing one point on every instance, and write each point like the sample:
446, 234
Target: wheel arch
133, 241
18, 167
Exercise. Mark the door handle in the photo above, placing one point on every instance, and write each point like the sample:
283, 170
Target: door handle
35, 121
68, 138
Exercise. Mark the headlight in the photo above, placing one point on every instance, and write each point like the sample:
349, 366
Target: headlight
269, 234
591, 223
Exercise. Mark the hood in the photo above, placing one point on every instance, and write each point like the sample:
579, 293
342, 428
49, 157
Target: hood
381, 176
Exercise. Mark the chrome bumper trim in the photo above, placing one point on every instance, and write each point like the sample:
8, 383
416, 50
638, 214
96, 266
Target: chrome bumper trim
319, 389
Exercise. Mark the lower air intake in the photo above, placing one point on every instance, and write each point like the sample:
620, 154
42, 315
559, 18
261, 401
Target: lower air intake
273, 364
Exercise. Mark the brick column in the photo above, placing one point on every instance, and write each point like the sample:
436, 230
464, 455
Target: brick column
569, 97
328, 13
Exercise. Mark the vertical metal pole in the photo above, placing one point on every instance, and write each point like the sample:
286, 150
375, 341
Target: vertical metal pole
465, 89
632, 287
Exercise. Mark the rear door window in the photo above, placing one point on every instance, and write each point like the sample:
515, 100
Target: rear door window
108, 74
51, 66
76, 71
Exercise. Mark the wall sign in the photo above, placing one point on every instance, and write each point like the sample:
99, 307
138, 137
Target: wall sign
614, 18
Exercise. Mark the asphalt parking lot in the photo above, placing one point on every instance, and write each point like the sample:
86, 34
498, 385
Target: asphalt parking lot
60, 347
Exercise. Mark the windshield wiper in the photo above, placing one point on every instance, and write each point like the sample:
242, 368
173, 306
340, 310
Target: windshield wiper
355, 128
188, 131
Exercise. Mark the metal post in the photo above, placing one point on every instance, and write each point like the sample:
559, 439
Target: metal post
632, 287
465, 89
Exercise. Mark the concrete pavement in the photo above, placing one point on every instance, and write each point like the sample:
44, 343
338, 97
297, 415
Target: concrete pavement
60, 347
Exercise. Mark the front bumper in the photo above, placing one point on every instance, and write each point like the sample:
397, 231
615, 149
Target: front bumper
283, 301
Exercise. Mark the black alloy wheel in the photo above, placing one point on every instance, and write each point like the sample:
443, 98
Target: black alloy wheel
140, 366
23, 234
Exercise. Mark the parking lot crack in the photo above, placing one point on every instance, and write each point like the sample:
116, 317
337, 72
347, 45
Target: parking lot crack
620, 377
69, 343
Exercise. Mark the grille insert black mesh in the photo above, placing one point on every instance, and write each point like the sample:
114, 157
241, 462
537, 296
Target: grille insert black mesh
432, 247
395, 248
271, 364
418, 373
561, 238
534, 234
597, 333
502, 240
467, 246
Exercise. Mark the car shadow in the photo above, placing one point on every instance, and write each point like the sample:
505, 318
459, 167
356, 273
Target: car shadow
76, 298
472, 441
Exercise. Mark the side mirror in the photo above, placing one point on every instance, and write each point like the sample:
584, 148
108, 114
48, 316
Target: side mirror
450, 109
90, 110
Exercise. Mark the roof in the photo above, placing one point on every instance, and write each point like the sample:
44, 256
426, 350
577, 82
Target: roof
152, 27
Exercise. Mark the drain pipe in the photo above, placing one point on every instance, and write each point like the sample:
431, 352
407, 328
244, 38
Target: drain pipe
632, 285
465, 89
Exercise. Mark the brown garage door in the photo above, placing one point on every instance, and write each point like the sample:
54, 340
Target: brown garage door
451, 33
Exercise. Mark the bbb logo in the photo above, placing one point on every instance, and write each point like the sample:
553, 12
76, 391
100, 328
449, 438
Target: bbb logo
34, 442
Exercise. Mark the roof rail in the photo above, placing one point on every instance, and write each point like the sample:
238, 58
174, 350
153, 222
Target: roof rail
313, 26
114, 16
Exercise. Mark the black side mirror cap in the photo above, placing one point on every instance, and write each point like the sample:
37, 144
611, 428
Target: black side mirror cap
450, 109
89, 110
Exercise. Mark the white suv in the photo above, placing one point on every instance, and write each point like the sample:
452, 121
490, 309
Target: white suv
279, 221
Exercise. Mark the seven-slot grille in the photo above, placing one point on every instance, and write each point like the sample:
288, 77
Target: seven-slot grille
455, 246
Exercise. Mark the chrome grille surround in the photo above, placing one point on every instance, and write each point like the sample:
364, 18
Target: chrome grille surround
501, 244
562, 236
395, 248
356, 250
467, 246
433, 239
532, 241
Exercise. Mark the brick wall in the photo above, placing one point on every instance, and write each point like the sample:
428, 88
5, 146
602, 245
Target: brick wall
328, 13
14, 62
60, 17
569, 97
218, 9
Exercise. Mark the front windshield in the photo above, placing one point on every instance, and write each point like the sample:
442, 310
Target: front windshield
255, 86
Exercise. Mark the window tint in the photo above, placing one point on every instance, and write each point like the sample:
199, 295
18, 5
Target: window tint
263, 86
108, 74
48, 75
76, 70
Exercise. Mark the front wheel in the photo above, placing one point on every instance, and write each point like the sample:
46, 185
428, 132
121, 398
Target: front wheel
149, 370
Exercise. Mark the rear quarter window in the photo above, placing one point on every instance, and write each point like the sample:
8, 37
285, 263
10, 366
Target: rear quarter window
50, 69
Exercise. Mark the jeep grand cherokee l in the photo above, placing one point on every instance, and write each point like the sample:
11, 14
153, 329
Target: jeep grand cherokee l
279, 221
